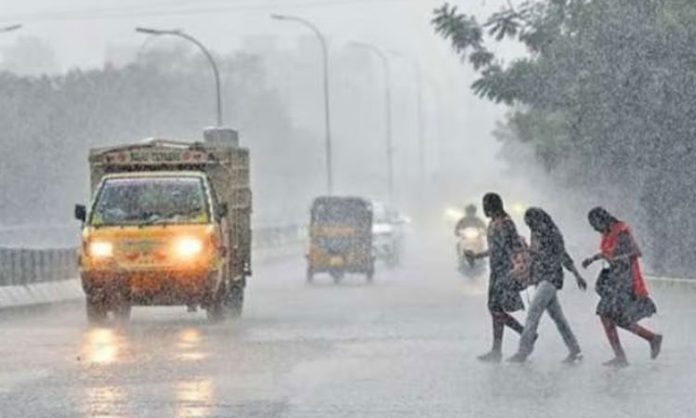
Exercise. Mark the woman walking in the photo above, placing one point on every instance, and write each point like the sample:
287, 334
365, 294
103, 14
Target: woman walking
504, 244
624, 298
549, 257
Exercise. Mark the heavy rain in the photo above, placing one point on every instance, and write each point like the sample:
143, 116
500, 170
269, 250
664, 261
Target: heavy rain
347, 208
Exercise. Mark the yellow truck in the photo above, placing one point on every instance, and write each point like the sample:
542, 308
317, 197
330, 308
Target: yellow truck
169, 224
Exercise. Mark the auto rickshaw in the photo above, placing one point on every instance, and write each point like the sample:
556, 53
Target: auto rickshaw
340, 236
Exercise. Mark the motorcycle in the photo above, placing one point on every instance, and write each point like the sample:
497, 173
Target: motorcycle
474, 240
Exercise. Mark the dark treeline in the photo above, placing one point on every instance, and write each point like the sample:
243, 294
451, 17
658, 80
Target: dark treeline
606, 99
47, 125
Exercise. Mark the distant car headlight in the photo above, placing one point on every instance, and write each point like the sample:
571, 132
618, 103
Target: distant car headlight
101, 249
189, 247
453, 214
382, 229
471, 233
519, 208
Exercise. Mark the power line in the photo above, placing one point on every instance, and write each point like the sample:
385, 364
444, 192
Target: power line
136, 11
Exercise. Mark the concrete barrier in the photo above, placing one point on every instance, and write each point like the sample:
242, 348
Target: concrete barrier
40, 293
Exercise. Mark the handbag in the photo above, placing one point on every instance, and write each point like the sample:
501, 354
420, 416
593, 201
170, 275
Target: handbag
520, 277
603, 285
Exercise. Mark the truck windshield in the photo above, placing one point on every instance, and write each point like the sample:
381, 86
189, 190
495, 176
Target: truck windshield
149, 201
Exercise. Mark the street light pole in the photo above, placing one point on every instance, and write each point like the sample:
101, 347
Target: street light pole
327, 94
421, 125
10, 28
387, 112
206, 52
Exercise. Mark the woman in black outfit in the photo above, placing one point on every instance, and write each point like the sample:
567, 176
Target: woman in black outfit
624, 298
548, 259
503, 245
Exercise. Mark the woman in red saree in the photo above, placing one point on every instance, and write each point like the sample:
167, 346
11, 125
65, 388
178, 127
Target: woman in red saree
624, 297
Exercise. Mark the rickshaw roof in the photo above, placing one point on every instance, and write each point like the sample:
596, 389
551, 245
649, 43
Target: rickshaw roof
342, 200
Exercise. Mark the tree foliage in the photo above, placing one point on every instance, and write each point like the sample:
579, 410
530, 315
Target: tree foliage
607, 95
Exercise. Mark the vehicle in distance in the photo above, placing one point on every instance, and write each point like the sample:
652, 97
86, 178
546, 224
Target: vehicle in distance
340, 238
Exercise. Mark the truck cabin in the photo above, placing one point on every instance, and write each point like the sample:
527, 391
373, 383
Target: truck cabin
157, 182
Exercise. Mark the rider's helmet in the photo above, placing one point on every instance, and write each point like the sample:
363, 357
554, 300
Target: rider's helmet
470, 210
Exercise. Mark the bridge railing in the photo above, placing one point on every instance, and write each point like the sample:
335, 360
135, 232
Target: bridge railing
24, 266
274, 237
28, 266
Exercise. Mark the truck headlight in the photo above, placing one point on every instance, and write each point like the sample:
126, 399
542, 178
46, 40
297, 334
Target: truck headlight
189, 247
101, 249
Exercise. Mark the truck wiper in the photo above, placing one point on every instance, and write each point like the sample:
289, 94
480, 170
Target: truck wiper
153, 220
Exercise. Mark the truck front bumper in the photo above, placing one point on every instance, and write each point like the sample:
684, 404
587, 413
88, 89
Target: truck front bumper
153, 287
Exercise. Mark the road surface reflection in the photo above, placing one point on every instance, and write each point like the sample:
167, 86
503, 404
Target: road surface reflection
194, 398
189, 345
101, 346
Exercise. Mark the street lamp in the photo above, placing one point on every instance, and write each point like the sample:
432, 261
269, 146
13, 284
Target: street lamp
327, 101
206, 52
143, 47
10, 28
387, 111
146, 43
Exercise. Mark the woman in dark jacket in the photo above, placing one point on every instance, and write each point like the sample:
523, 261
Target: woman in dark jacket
548, 258
503, 245
624, 298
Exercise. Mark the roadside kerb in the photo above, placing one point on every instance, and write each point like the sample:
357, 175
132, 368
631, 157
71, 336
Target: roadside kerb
672, 283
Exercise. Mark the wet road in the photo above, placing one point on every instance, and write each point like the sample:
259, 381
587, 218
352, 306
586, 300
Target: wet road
404, 346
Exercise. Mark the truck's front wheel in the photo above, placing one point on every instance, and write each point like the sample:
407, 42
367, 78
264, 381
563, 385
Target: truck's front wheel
122, 312
216, 310
229, 303
215, 313
370, 273
235, 301
96, 311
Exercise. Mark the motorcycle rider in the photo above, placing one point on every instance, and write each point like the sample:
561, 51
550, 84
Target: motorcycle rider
470, 220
